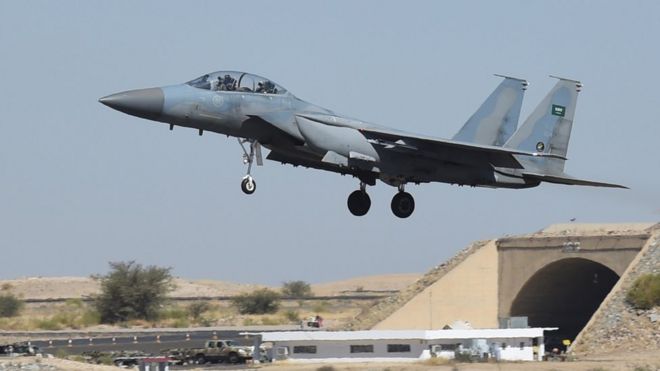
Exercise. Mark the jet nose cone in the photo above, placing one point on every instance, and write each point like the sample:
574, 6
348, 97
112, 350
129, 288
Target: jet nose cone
146, 103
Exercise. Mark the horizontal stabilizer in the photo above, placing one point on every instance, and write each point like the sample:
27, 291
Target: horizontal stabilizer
565, 179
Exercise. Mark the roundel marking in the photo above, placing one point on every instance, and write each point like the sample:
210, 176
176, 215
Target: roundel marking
217, 100
540, 146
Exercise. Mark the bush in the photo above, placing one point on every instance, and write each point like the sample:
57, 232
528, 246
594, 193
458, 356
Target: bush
174, 313
131, 291
645, 292
321, 307
10, 305
196, 309
297, 289
257, 302
292, 315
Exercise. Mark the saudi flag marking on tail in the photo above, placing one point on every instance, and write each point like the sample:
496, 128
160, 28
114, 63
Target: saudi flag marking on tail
558, 110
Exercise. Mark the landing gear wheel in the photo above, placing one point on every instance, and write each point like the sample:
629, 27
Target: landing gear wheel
403, 204
359, 203
248, 185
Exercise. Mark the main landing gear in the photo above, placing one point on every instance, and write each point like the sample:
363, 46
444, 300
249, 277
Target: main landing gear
248, 185
359, 201
403, 203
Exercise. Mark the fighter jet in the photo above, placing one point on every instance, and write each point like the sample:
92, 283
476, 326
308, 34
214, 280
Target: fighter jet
488, 151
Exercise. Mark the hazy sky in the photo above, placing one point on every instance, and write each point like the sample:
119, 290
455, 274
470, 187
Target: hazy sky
81, 184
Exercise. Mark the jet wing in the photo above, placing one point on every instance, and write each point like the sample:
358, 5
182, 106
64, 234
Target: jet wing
447, 150
567, 179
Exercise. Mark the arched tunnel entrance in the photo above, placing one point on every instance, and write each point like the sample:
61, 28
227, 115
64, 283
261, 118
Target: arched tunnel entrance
564, 294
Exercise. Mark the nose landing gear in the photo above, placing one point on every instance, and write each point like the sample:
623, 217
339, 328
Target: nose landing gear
403, 203
248, 185
359, 201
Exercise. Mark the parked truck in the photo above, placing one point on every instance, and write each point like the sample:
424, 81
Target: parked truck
214, 351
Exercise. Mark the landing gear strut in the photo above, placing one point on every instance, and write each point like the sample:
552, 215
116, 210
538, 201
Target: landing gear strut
403, 203
359, 201
248, 185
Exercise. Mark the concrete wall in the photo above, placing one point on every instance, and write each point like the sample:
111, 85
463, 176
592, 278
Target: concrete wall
468, 292
520, 258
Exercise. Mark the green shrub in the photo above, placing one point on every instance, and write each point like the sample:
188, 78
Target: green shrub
10, 305
261, 301
181, 323
206, 322
174, 313
196, 309
292, 315
90, 317
131, 291
74, 303
297, 289
645, 292
49, 324
272, 321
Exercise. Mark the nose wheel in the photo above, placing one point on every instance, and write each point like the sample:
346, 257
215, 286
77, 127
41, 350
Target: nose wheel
359, 201
403, 204
248, 185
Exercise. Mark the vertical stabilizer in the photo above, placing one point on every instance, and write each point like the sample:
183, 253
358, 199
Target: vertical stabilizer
497, 117
548, 128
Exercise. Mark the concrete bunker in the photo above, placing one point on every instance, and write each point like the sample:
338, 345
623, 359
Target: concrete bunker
565, 294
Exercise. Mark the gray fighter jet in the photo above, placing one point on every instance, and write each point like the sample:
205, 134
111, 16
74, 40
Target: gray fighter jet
488, 151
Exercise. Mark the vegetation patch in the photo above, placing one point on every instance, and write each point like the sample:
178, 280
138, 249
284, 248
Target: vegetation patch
297, 289
10, 305
645, 292
263, 301
131, 291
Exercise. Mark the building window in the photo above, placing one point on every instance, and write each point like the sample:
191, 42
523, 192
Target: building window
448, 347
398, 348
362, 348
503, 345
522, 345
310, 349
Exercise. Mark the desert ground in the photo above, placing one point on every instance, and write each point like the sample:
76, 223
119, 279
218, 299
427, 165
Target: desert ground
609, 362
80, 287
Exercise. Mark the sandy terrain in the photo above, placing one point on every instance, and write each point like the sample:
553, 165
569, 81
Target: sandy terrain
369, 283
642, 362
60, 364
77, 287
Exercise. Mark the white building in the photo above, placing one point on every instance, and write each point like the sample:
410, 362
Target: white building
518, 344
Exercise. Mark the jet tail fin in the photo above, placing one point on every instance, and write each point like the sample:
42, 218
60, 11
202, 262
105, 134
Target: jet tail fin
497, 117
548, 128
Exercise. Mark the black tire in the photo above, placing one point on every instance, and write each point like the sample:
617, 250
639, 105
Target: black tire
248, 186
200, 359
359, 203
403, 204
233, 358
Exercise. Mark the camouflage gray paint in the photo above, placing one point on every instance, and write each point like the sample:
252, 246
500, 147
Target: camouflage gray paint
485, 152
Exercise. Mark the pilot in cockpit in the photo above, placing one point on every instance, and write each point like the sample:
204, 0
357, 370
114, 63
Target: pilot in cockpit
228, 83
266, 87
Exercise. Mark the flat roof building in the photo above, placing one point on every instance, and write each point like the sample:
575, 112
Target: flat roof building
515, 344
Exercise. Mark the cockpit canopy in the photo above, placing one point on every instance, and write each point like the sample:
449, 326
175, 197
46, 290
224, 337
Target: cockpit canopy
236, 81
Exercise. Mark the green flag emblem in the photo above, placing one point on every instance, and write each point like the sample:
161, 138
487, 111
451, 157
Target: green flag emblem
558, 110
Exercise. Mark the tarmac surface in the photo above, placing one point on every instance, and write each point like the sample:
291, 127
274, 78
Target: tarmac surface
146, 343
